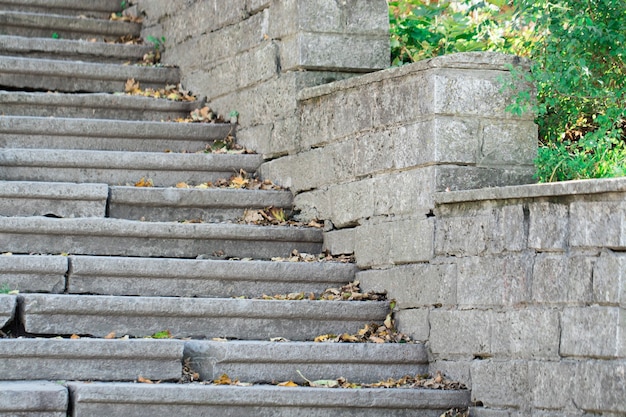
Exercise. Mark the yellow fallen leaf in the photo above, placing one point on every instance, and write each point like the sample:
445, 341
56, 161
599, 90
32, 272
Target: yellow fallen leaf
182, 185
288, 384
110, 336
223, 380
74, 336
144, 182
132, 86
144, 380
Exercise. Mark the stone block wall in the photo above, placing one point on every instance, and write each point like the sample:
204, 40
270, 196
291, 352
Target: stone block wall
253, 56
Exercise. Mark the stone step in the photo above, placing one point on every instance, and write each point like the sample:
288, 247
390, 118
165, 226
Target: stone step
72, 50
24, 198
166, 277
91, 359
139, 400
113, 237
40, 25
8, 304
264, 362
120, 168
94, 106
98, 316
100, 8
208, 205
75, 76
33, 399
108, 135
201, 278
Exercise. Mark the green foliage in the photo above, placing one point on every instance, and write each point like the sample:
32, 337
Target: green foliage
55, 35
157, 43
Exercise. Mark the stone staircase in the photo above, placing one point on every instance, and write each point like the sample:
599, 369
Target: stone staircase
101, 266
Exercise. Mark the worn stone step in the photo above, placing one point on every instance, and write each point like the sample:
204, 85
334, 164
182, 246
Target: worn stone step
94, 106
74, 76
43, 25
264, 362
34, 273
33, 399
8, 304
209, 205
98, 316
120, 168
108, 135
201, 278
100, 8
113, 237
91, 359
139, 400
74, 50
23, 198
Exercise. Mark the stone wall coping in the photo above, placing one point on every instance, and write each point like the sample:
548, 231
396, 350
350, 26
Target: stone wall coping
554, 189
464, 60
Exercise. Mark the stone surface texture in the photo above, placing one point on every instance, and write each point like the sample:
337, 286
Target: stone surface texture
33, 399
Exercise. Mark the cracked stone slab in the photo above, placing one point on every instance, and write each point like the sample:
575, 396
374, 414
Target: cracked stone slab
112, 237
91, 359
76, 50
33, 399
76, 76
26, 132
39, 25
94, 106
209, 205
130, 400
201, 278
102, 8
32, 273
195, 317
121, 168
27, 198
8, 304
271, 361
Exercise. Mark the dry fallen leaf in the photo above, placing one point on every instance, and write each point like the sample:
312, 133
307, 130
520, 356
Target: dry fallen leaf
144, 380
110, 336
288, 384
144, 182
74, 336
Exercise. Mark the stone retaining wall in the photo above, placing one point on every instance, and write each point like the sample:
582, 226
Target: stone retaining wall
253, 56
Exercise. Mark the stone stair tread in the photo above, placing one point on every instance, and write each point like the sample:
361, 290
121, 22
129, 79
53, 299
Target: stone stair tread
202, 277
33, 399
115, 237
130, 400
8, 304
209, 205
91, 359
34, 273
121, 168
26, 132
264, 362
101, 8
246, 319
72, 49
94, 106
74, 76
43, 25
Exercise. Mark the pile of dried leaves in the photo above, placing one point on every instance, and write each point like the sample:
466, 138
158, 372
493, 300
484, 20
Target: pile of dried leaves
169, 92
241, 181
371, 333
307, 257
349, 292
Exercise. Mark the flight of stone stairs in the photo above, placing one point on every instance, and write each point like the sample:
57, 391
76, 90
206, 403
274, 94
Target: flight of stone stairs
101, 265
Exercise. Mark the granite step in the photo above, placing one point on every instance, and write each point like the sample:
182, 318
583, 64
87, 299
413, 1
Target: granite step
27, 132
140, 400
265, 362
33, 399
91, 359
44, 25
200, 318
34, 273
100, 8
72, 50
8, 305
113, 237
94, 106
121, 168
74, 76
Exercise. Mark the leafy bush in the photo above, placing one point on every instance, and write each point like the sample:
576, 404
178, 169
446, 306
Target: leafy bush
577, 48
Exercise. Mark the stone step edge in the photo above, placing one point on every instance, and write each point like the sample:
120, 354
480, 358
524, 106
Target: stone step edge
72, 274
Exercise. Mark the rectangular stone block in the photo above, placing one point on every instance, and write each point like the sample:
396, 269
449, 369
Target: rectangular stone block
598, 224
559, 279
609, 279
454, 370
33, 273
414, 322
455, 178
33, 399
460, 333
415, 285
510, 143
500, 383
601, 386
526, 334
553, 384
494, 280
8, 304
398, 242
596, 332
548, 226
462, 235
340, 242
